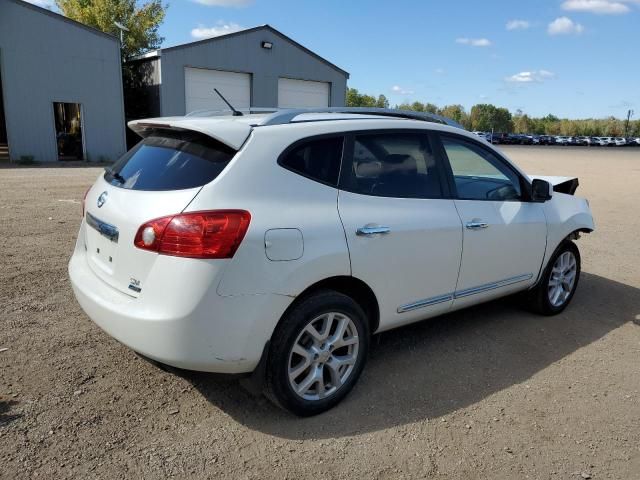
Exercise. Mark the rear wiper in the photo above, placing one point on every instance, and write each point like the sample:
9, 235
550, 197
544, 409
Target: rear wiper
115, 175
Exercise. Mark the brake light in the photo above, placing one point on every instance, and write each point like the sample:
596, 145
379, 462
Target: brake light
84, 201
210, 234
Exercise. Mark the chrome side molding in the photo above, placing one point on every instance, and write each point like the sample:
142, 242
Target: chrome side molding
492, 286
427, 302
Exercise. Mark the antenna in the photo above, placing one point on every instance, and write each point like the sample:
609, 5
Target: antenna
236, 113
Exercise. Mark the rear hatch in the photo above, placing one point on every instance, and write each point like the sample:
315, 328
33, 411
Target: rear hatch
158, 177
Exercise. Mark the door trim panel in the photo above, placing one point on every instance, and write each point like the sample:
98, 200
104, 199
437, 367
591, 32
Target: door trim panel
464, 293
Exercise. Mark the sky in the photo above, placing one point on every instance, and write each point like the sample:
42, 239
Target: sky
571, 58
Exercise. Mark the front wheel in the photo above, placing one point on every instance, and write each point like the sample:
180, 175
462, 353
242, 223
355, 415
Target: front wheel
559, 281
317, 353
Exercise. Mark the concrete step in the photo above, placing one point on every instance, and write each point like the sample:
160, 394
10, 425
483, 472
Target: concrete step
4, 152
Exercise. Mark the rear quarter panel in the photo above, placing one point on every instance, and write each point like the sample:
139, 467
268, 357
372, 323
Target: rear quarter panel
277, 199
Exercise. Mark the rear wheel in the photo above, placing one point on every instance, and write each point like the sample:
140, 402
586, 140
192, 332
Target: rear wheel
559, 281
317, 353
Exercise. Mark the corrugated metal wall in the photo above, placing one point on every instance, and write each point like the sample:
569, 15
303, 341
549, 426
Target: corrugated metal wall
243, 53
45, 59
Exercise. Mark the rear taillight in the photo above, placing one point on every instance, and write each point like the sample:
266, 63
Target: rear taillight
211, 234
84, 201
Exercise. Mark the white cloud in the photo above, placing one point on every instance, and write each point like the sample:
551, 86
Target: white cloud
440, 71
49, 4
517, 25
224, 3
564, 26
220, 28
601, 7
535, 76
401, 91
474, 42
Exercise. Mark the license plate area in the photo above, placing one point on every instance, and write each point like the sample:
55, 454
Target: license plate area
102, 242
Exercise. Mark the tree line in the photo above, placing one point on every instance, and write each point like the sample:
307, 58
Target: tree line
486, 118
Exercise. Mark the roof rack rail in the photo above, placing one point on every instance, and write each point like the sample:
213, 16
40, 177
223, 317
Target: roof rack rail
283, 116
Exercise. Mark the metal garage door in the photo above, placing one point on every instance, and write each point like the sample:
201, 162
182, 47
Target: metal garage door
200, 82
302, 93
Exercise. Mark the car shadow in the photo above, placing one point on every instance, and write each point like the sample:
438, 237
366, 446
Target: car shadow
438, 366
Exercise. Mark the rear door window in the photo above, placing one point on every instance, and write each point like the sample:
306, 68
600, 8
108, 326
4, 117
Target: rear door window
400, 165
170, 160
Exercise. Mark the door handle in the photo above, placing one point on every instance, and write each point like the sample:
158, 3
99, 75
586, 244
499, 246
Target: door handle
368, 231
476, 225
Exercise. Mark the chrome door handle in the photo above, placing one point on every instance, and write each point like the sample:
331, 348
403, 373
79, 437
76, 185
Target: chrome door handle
476, 225
367, 231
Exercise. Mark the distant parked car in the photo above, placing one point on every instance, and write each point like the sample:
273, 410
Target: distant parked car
582, 140
620, 142
562, 140
500, 138
526, 139
484, 135
634, 142
600, 141
547, 140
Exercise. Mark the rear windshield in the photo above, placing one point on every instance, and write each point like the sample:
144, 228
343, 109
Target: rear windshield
170, 160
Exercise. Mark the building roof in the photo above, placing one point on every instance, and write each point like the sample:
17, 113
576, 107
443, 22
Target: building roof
158, 52
61, 17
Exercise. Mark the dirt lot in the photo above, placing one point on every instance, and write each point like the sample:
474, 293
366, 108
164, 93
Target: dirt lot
491, 392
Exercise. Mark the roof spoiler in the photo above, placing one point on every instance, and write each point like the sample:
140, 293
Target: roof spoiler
232, 134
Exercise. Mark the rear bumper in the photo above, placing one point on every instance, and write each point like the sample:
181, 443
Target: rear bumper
182, 322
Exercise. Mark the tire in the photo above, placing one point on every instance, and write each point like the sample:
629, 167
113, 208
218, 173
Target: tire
541, 297
339, 366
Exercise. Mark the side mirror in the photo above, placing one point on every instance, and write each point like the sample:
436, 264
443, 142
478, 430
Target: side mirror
540, 190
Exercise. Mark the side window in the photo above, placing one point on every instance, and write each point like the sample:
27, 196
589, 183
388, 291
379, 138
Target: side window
400, 165
316, 159
478, 173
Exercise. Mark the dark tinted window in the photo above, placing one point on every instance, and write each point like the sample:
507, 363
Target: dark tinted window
398, 165
170, 161
317, 159
478, 173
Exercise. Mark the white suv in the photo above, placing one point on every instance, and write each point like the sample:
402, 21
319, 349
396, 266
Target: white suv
279, 243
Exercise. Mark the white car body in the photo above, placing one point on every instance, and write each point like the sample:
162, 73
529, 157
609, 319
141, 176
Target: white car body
218, 314
620, 142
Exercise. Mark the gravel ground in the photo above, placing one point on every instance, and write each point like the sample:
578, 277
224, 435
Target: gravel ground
490, 392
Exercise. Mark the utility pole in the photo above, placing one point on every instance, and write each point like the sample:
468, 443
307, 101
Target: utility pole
122, 29
626, 125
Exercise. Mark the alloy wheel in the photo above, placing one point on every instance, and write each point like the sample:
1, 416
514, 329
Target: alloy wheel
323, 356
562, 279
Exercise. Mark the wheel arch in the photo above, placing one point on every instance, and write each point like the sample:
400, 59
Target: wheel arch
351, 286
571, 236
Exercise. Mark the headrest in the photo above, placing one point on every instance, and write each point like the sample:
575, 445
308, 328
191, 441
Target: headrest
400, 164
368, 169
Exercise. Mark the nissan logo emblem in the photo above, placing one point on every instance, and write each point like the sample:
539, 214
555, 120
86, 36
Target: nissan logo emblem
102, 199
